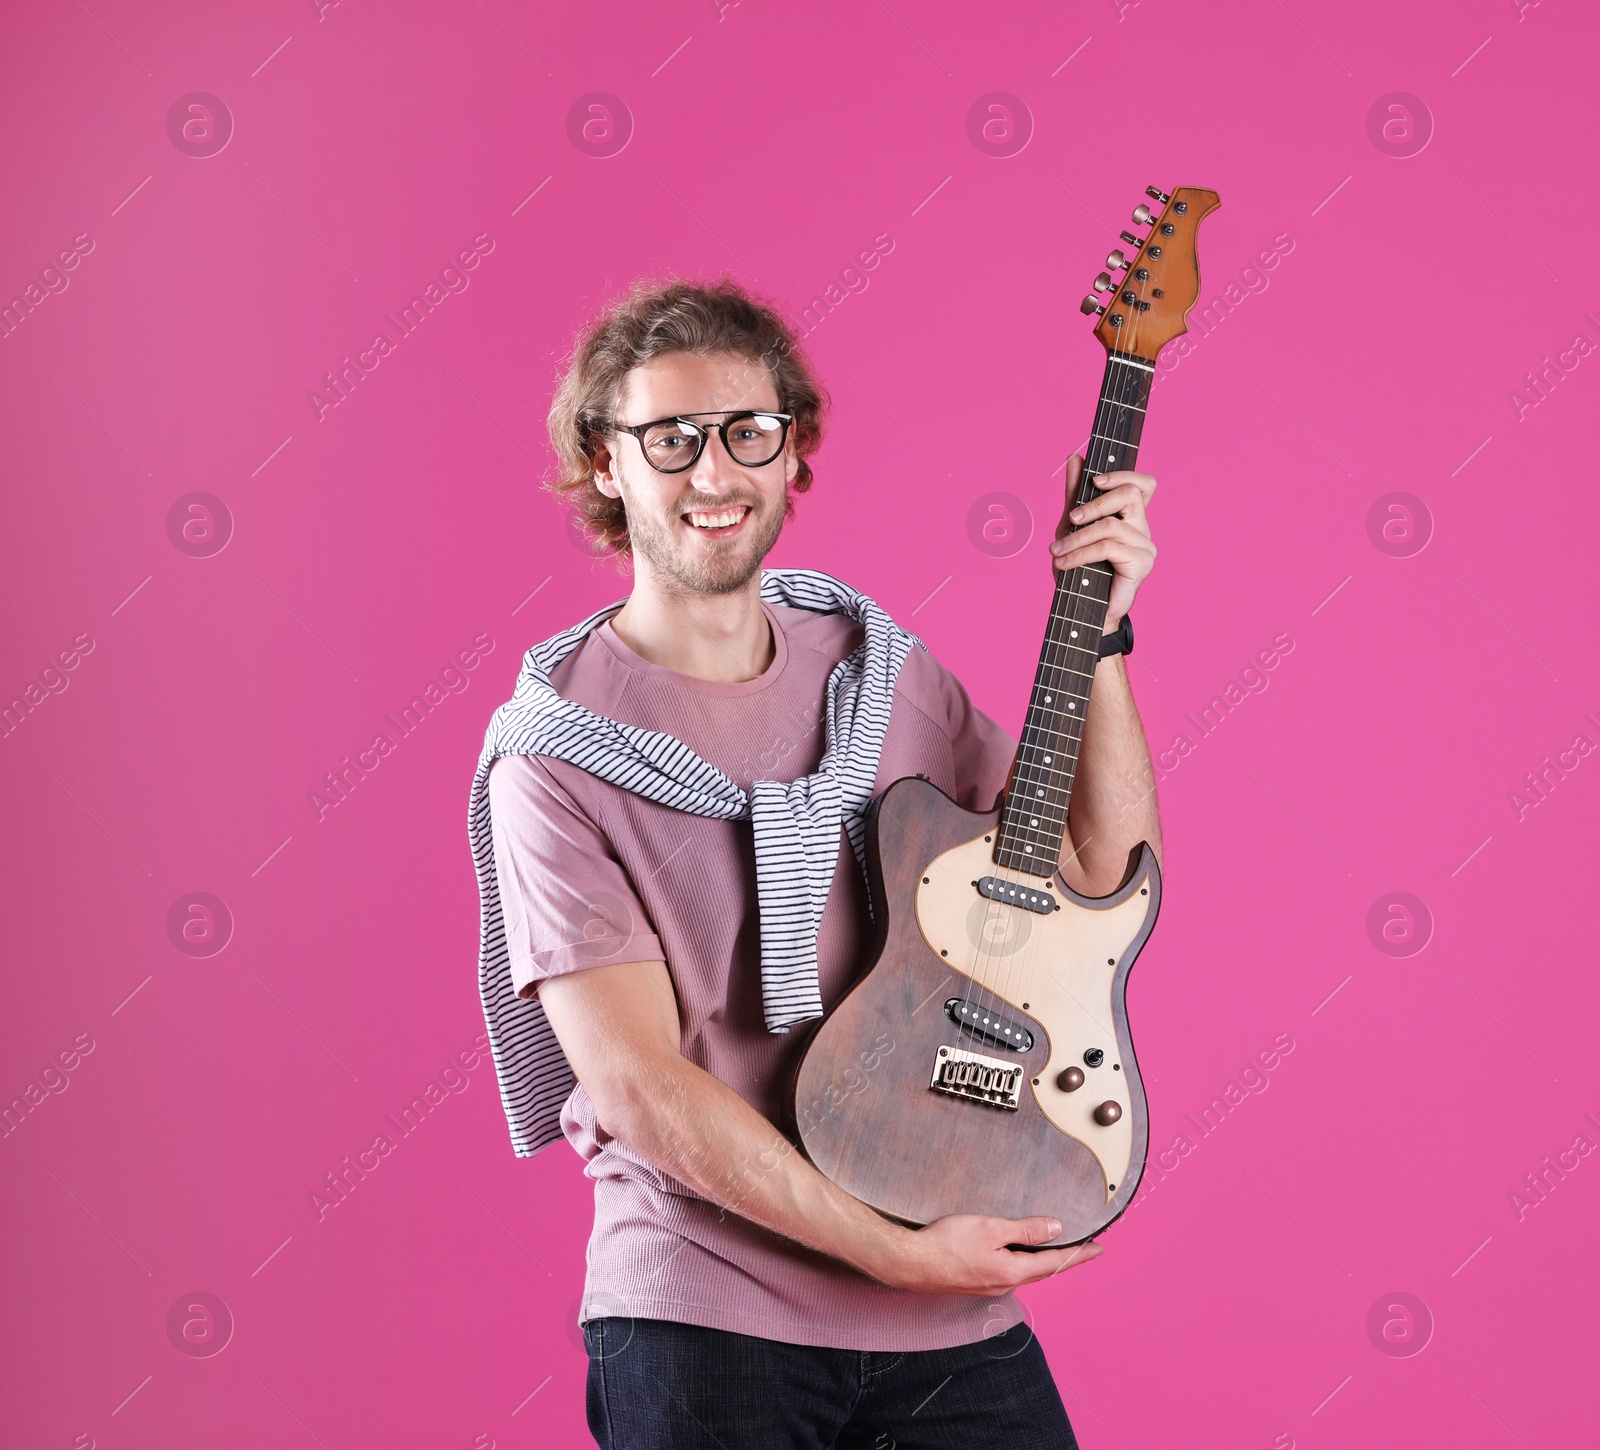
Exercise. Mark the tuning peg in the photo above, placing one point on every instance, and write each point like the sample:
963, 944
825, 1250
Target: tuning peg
1102, 283
1116, 261
1142, 215
1131, 240
1158, 194
1090, 306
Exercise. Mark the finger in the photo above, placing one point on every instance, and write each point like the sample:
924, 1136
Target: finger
1133, 558
1074, 473
1114, 527
1125, 500
1117, 476
1038, 1230
1047, 1263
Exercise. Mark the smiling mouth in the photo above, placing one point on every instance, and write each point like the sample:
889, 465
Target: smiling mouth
716, 523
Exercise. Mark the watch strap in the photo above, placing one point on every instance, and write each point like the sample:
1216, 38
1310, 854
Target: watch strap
1120, 640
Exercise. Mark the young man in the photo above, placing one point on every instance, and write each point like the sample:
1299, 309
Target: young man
735, 1297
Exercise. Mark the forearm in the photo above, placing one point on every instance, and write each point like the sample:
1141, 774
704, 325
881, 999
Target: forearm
692, 1125
1114, 790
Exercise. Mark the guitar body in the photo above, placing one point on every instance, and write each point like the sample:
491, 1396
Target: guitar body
868, 1114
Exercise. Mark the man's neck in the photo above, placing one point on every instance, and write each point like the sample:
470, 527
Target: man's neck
720, 637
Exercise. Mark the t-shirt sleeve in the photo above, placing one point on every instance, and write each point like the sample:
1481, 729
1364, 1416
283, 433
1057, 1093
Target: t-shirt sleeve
566, 900
981, 751
981, 748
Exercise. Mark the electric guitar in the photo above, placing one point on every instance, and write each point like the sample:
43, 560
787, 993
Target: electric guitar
983, 1064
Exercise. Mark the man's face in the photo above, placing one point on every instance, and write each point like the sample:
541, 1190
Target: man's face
707, 529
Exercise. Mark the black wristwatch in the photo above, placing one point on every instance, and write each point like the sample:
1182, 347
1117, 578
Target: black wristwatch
1119, 641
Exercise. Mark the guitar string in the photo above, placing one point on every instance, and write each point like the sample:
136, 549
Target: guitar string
1113, 395
1058, 648
990, 946
993, 947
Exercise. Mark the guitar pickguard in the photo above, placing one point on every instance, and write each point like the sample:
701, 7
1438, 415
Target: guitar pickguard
1056, 967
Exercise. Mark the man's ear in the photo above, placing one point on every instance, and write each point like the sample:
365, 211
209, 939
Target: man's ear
602, 463
791, 459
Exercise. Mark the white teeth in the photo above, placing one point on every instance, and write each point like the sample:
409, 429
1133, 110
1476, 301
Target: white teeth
715, 521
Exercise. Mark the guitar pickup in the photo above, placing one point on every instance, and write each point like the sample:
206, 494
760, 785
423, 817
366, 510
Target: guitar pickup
1027, 897
988, 1024
977, 1078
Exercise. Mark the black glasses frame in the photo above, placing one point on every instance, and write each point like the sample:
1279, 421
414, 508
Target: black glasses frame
705, 431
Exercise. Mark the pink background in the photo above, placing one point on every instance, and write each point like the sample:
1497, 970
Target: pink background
435, 1306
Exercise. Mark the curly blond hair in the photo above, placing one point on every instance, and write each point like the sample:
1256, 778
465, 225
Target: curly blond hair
653, 319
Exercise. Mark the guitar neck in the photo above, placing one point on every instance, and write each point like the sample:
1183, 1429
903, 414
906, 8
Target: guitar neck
1033, 820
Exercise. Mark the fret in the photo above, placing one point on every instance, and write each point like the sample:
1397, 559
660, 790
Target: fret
1072, 712
1045, 810
1052, 824
1068, 670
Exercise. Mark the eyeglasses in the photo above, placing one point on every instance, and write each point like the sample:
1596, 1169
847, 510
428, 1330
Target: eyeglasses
671, 445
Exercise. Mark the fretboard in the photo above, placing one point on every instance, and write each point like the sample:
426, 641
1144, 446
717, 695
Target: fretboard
1033, 821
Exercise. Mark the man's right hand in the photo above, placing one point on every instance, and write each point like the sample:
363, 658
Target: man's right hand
966, 1253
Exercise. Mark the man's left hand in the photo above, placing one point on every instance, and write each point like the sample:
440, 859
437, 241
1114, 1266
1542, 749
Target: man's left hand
1111, 528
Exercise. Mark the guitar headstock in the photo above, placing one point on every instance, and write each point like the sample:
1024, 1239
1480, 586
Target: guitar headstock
1147, 295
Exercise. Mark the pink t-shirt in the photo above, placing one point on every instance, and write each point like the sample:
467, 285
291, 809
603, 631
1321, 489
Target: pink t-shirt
591, 873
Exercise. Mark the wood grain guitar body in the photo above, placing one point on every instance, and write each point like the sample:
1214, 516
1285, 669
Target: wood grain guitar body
983, 1064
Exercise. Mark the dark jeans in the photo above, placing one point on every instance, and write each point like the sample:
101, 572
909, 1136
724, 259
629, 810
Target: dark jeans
658, 1385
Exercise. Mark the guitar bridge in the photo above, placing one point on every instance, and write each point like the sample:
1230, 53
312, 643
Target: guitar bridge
977, 1078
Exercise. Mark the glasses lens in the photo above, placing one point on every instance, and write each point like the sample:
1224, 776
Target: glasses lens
671, 446
757, 439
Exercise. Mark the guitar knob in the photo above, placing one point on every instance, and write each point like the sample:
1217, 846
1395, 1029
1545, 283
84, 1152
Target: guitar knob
1070, 1080
1093, 1057
1116, 261
1090, 305
1107, 1113
1102, 283
1142, 215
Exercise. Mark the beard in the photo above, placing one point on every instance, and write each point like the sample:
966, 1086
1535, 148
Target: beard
719, 566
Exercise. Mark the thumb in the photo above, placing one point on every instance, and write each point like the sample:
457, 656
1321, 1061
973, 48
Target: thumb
1036, 1230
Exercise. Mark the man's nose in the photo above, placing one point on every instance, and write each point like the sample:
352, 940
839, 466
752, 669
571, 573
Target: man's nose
714, 468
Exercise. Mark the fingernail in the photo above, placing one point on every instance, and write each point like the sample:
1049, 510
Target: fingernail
1075, 515
1054, 1226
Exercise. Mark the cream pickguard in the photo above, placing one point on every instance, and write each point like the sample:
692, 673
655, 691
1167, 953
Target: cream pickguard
1058, 968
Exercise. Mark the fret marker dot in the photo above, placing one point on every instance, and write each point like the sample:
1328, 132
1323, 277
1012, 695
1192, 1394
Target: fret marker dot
1034, 821
1047, 699
1047, 760
1074, 634
1038, 792
1028, 849
1070, 705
